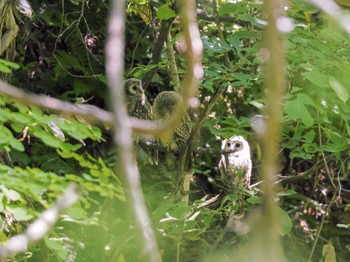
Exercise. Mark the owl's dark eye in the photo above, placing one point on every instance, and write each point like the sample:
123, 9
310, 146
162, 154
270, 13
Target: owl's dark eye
229, 144
238, 145
134, 88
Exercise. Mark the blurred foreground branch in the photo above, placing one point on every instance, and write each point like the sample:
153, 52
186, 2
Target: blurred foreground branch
122, 134
268, 246
36, 231
335, 12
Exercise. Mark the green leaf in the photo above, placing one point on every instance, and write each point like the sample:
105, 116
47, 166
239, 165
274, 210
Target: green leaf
165, 12
328, 253
10, 194
296, 110
20, 213
228, 8
255, 200
4, 69
317, 78
56, 245
180, 211
339, 89
9, 64
76, 213
286, 224
288, 192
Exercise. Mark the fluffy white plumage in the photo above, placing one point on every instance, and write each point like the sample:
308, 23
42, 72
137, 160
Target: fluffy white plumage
235, 167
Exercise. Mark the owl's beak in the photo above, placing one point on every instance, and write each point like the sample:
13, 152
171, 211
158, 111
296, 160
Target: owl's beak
143, 99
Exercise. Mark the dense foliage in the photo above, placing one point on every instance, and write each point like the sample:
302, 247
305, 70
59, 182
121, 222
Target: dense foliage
59, 52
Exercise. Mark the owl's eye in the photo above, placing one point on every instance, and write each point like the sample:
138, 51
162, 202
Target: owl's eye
133, 88
229, 144
238, 145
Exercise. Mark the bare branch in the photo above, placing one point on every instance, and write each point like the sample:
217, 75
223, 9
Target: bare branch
91, 114
122, 129
36, 231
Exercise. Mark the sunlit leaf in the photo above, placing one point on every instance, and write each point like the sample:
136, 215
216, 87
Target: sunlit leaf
20, 213
339, 89
165, 12
328, 253
285, 222
317, 78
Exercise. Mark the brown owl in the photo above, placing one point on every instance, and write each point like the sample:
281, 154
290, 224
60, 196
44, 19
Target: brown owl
138, 106
135, 99
164, 107
235, 167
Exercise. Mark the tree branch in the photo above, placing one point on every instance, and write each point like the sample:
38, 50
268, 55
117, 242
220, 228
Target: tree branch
157, 49
122, 130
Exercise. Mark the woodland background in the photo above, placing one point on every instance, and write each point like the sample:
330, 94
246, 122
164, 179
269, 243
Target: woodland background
59, 51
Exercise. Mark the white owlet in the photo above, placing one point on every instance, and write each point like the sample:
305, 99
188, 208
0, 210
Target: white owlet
164, 106
138, 106
235, 167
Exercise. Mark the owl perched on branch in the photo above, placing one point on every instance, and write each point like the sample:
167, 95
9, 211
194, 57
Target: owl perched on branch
235, 167
138, 106
164, 107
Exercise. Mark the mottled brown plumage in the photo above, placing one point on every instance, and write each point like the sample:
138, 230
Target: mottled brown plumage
135, 99
138, 106
163, 108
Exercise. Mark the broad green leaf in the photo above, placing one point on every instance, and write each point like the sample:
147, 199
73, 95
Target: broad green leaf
165, 12
328, 253
57, 247
227, 9
288, 192
285, 222
339, 89
9, 64
317, 78
255, 200
20, 213
10, 194
76, 213
296, 110
180, 211
257, 104
20, 118
305, 99
4, 69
